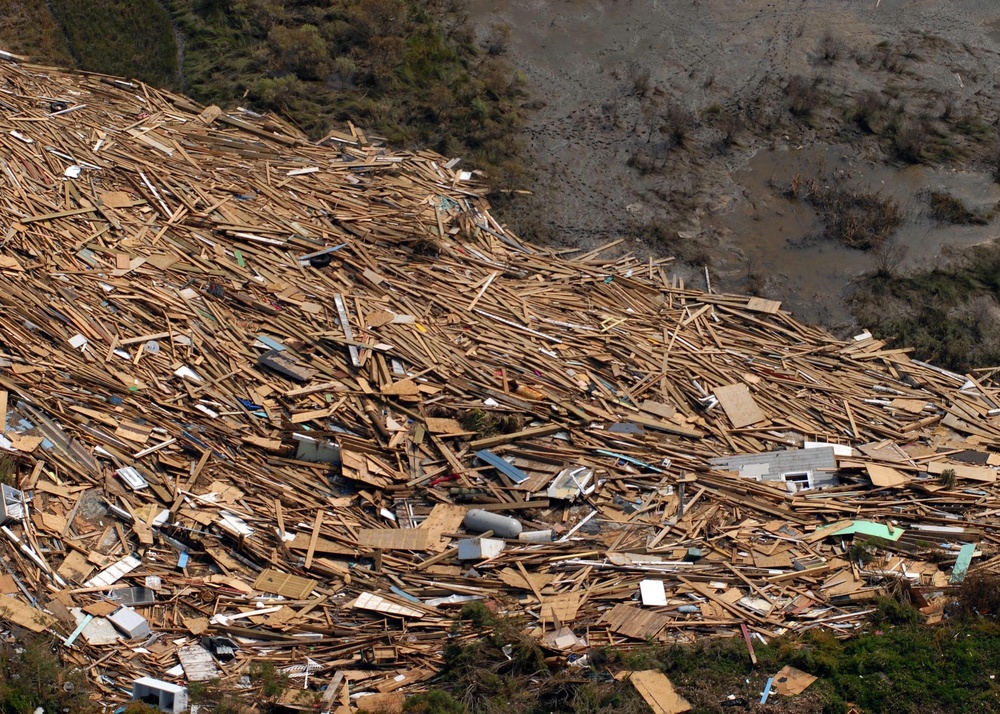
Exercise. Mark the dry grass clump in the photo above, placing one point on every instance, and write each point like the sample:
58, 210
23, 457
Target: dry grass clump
857, 219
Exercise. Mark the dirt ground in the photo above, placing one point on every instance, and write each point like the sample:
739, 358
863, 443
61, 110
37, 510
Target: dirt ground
674, 125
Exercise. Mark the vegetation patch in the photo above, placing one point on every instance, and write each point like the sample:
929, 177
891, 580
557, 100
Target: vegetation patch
408, 70
32, 676
854, 218
979, 596
896, 664
491, 673
411, 71
804, 95
131, 38
950, 315
490, 423
29, 28
871, 112
945, 208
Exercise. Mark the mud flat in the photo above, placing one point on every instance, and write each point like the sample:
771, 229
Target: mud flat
673, 125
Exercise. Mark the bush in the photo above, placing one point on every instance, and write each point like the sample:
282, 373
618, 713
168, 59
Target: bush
216, 697
677, 123
803, 95
857, 219
498, 39
32, 675
871, 112
945, 208
910, 140
948, 315
435, 701
979, 595
301, 51
271, 682
640, 78
829, 49
894, 611
489, 423
730, 124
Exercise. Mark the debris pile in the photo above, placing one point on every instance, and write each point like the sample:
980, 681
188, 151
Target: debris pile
264, 399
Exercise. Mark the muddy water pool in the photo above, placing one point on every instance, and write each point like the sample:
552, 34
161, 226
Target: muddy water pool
781, 239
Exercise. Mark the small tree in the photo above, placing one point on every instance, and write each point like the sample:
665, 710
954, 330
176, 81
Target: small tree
32, 676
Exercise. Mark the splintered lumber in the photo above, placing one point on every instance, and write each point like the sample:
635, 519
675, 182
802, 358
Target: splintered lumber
251, 385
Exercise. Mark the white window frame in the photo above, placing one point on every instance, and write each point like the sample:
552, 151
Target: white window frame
797, 481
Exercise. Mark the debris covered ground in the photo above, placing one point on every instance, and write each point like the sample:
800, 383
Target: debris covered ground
253, 387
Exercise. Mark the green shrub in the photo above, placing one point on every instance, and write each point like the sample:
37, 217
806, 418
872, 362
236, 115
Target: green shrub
404, 70
435, 701
271, 682
32, 675
949, 315
893, 611
300, 50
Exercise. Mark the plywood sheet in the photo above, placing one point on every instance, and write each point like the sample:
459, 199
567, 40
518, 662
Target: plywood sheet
843, 582
791, 681
359, 467
394, 538
116, 199
437, 425
22, 442
562, 608
7, 584
198, 663
19, 613
323, 545
291, 586
659, 692
973, 473
885, 451
913, 406
75, 567
758, 304
633, 622
664, 411
775, 560
444, 518
739, 405
389, 703
886, 476
133, 431
535, 581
